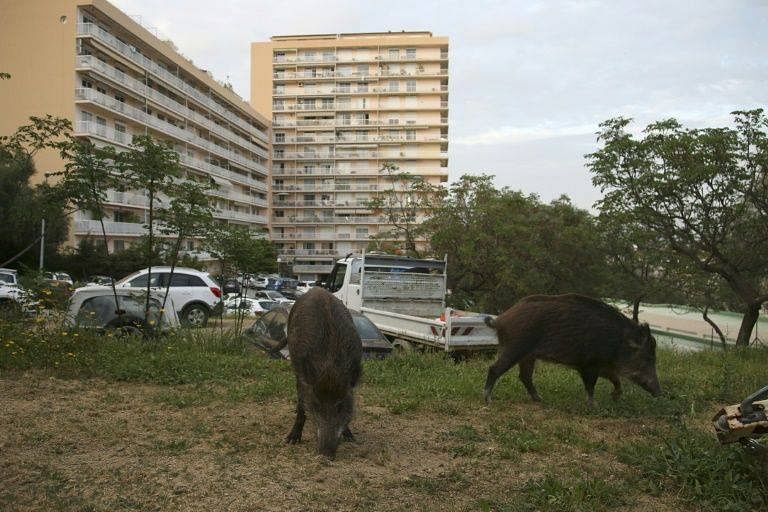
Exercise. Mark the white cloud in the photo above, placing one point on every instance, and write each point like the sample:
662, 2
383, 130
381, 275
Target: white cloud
516, 134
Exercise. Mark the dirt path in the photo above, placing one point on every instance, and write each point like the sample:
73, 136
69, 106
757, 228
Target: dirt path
92, 445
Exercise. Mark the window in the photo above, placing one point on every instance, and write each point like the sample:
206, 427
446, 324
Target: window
362, 87
344, 87
86, 117
279, 137
362, 69
411, 86
410, 134
118, 245
394, 53
329, 56
394, 86
119, 132
87, 84
410, 53
280, 89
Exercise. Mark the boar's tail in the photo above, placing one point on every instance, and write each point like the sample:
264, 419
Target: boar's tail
490, 322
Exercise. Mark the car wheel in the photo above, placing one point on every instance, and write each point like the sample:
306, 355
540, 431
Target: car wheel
195, 315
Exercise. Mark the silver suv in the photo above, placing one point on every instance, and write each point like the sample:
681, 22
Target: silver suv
194, 294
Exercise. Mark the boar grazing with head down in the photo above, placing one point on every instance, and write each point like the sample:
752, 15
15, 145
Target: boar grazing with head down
576, 331
326, 354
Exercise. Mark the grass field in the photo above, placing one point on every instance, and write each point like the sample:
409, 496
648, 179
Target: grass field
196, 421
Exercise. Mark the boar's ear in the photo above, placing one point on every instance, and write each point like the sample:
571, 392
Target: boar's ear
639, 338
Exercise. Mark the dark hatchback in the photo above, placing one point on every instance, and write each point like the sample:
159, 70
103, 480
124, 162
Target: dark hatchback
269, 331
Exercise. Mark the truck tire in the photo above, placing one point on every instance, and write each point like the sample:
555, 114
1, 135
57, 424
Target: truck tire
402, 346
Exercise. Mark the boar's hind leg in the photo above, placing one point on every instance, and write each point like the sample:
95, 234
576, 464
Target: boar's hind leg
497, 369
294, 436
526, 376
347, 434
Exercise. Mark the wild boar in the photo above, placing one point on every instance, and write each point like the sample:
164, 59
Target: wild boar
576, 331
326, 353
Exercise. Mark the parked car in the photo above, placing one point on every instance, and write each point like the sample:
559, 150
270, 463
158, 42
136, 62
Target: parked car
12, 295
58, 276
303, 287
247, 307
284, 285
99, 281
271, 295
270, 330
195, 295
94, 307
230, 285
259, 282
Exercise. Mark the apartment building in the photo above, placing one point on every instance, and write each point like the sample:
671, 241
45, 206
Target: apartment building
87, 61
343, 106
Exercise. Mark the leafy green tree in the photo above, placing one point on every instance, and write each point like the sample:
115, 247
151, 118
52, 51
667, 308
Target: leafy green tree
152, 166
700, 190
189, 214
89, 172
503, 245
22, 206
637, 262
401, 205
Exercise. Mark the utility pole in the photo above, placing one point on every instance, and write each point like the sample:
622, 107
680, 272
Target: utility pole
42, 243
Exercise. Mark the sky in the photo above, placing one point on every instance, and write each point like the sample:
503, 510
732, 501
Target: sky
530, 81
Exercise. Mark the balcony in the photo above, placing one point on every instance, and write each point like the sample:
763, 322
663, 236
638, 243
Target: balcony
240, 216
313, 269
89, 62
127, 199
221, 172
309, 252
93, 227
141, 117
331, 219
133, 54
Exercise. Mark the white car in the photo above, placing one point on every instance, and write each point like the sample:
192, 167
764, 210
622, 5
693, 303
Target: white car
195, 295
303, 287
273, 296
248, 307
94, 307
11, 293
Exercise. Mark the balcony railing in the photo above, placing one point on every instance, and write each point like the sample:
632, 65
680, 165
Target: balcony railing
336, 219
93, 227
92, 63
130, 52
127, 198
308, 252
383, 57
141, 117
309, 269
241, 216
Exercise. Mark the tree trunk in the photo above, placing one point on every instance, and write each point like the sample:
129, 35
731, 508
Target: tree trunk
715, 327
748, 323
636, 309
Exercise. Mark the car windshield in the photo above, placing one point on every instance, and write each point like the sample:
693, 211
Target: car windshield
7, 278
365, 328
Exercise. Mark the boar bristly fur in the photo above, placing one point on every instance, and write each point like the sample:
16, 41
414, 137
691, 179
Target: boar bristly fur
326, 354
576, 331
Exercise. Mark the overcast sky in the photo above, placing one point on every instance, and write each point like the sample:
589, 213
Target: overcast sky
529, 81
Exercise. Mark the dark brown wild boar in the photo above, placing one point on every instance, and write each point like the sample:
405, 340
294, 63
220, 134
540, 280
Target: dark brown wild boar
576, 331
325, 354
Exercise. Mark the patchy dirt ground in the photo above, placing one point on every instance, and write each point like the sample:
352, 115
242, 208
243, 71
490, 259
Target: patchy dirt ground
95, 445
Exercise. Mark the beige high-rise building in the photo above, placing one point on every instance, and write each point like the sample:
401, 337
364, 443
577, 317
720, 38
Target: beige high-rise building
343, 106
87, 61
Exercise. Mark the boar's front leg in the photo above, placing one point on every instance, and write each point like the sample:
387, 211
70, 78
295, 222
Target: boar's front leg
347, 434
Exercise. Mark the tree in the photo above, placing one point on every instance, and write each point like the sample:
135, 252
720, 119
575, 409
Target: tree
22, 207
152, 166
89, 172
637, 261
503, 245
189, 214
700, 190
400, 205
